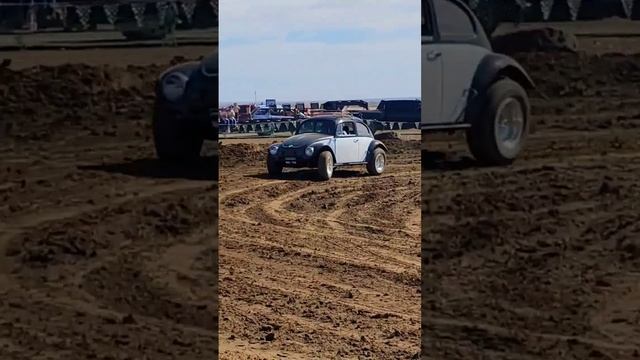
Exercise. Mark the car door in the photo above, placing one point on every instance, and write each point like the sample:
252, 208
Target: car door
364, 140
431, 68
461, 55
346, 143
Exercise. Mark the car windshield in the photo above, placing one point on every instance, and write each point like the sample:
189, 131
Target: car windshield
318, 126
262, 112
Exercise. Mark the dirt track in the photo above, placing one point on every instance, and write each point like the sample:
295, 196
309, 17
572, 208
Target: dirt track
541, 260
312, 269
104, 252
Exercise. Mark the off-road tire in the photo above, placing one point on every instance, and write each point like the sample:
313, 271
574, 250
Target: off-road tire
371, 164
325, 165
173, 141
481, 137
273, 167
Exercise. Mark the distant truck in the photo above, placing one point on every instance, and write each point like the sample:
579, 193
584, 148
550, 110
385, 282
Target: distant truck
394, 111
337, 105
270, 114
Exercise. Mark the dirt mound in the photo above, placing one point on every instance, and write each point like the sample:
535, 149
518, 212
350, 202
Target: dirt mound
575, 74
535, 40
234, 154
387, 136
39, 101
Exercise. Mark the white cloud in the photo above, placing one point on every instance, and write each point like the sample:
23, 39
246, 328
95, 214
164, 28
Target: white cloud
239, 18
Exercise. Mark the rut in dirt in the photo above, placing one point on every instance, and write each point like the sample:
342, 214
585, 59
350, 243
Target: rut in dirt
311, 268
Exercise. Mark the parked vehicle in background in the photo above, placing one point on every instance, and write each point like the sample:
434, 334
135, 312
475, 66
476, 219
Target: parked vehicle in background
465, 85
300, 107
326, 142
269, 114
337, 105
394, 111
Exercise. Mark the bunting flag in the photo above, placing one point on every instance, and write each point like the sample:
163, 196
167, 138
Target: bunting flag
523, 4
111, 12
162, 11
189, 7
175, 7
214, 5
574, 8
84, 14
61, 10
138, 12
546, 6
627, 5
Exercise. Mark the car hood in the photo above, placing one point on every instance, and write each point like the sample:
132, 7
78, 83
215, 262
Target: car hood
303, 140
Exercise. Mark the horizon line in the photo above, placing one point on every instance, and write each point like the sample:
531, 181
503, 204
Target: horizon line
324, 100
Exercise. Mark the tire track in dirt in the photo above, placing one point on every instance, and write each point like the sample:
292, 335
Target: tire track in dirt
536, 260
303, 272
104, 251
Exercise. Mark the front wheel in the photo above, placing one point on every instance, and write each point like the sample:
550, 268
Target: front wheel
174, 142
273, 167
325, 165
497, 136
377, 162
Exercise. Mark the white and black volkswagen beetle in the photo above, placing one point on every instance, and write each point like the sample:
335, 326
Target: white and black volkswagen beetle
465, 85
185, 111
326, 142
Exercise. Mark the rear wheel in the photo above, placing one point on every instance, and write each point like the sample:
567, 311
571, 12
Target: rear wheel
377, 162
496, 137
173, 141
325, 165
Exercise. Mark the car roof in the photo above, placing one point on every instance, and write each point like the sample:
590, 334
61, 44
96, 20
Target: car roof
401, 100
482, 39
337, 118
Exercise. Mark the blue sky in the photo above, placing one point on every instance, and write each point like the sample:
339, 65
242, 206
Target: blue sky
319, 49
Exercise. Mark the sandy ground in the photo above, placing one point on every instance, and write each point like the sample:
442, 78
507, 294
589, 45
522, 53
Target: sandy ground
541, 260
104, 252
312, 269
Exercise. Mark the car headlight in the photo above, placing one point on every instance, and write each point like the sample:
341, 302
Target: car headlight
174, 85
308, 151
273, 150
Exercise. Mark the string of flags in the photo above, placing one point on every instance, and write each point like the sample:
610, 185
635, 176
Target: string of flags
61, 9
547, 5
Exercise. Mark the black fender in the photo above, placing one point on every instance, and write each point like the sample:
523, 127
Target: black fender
373, 145
495, 66
187, 68
320, 148
492, 68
